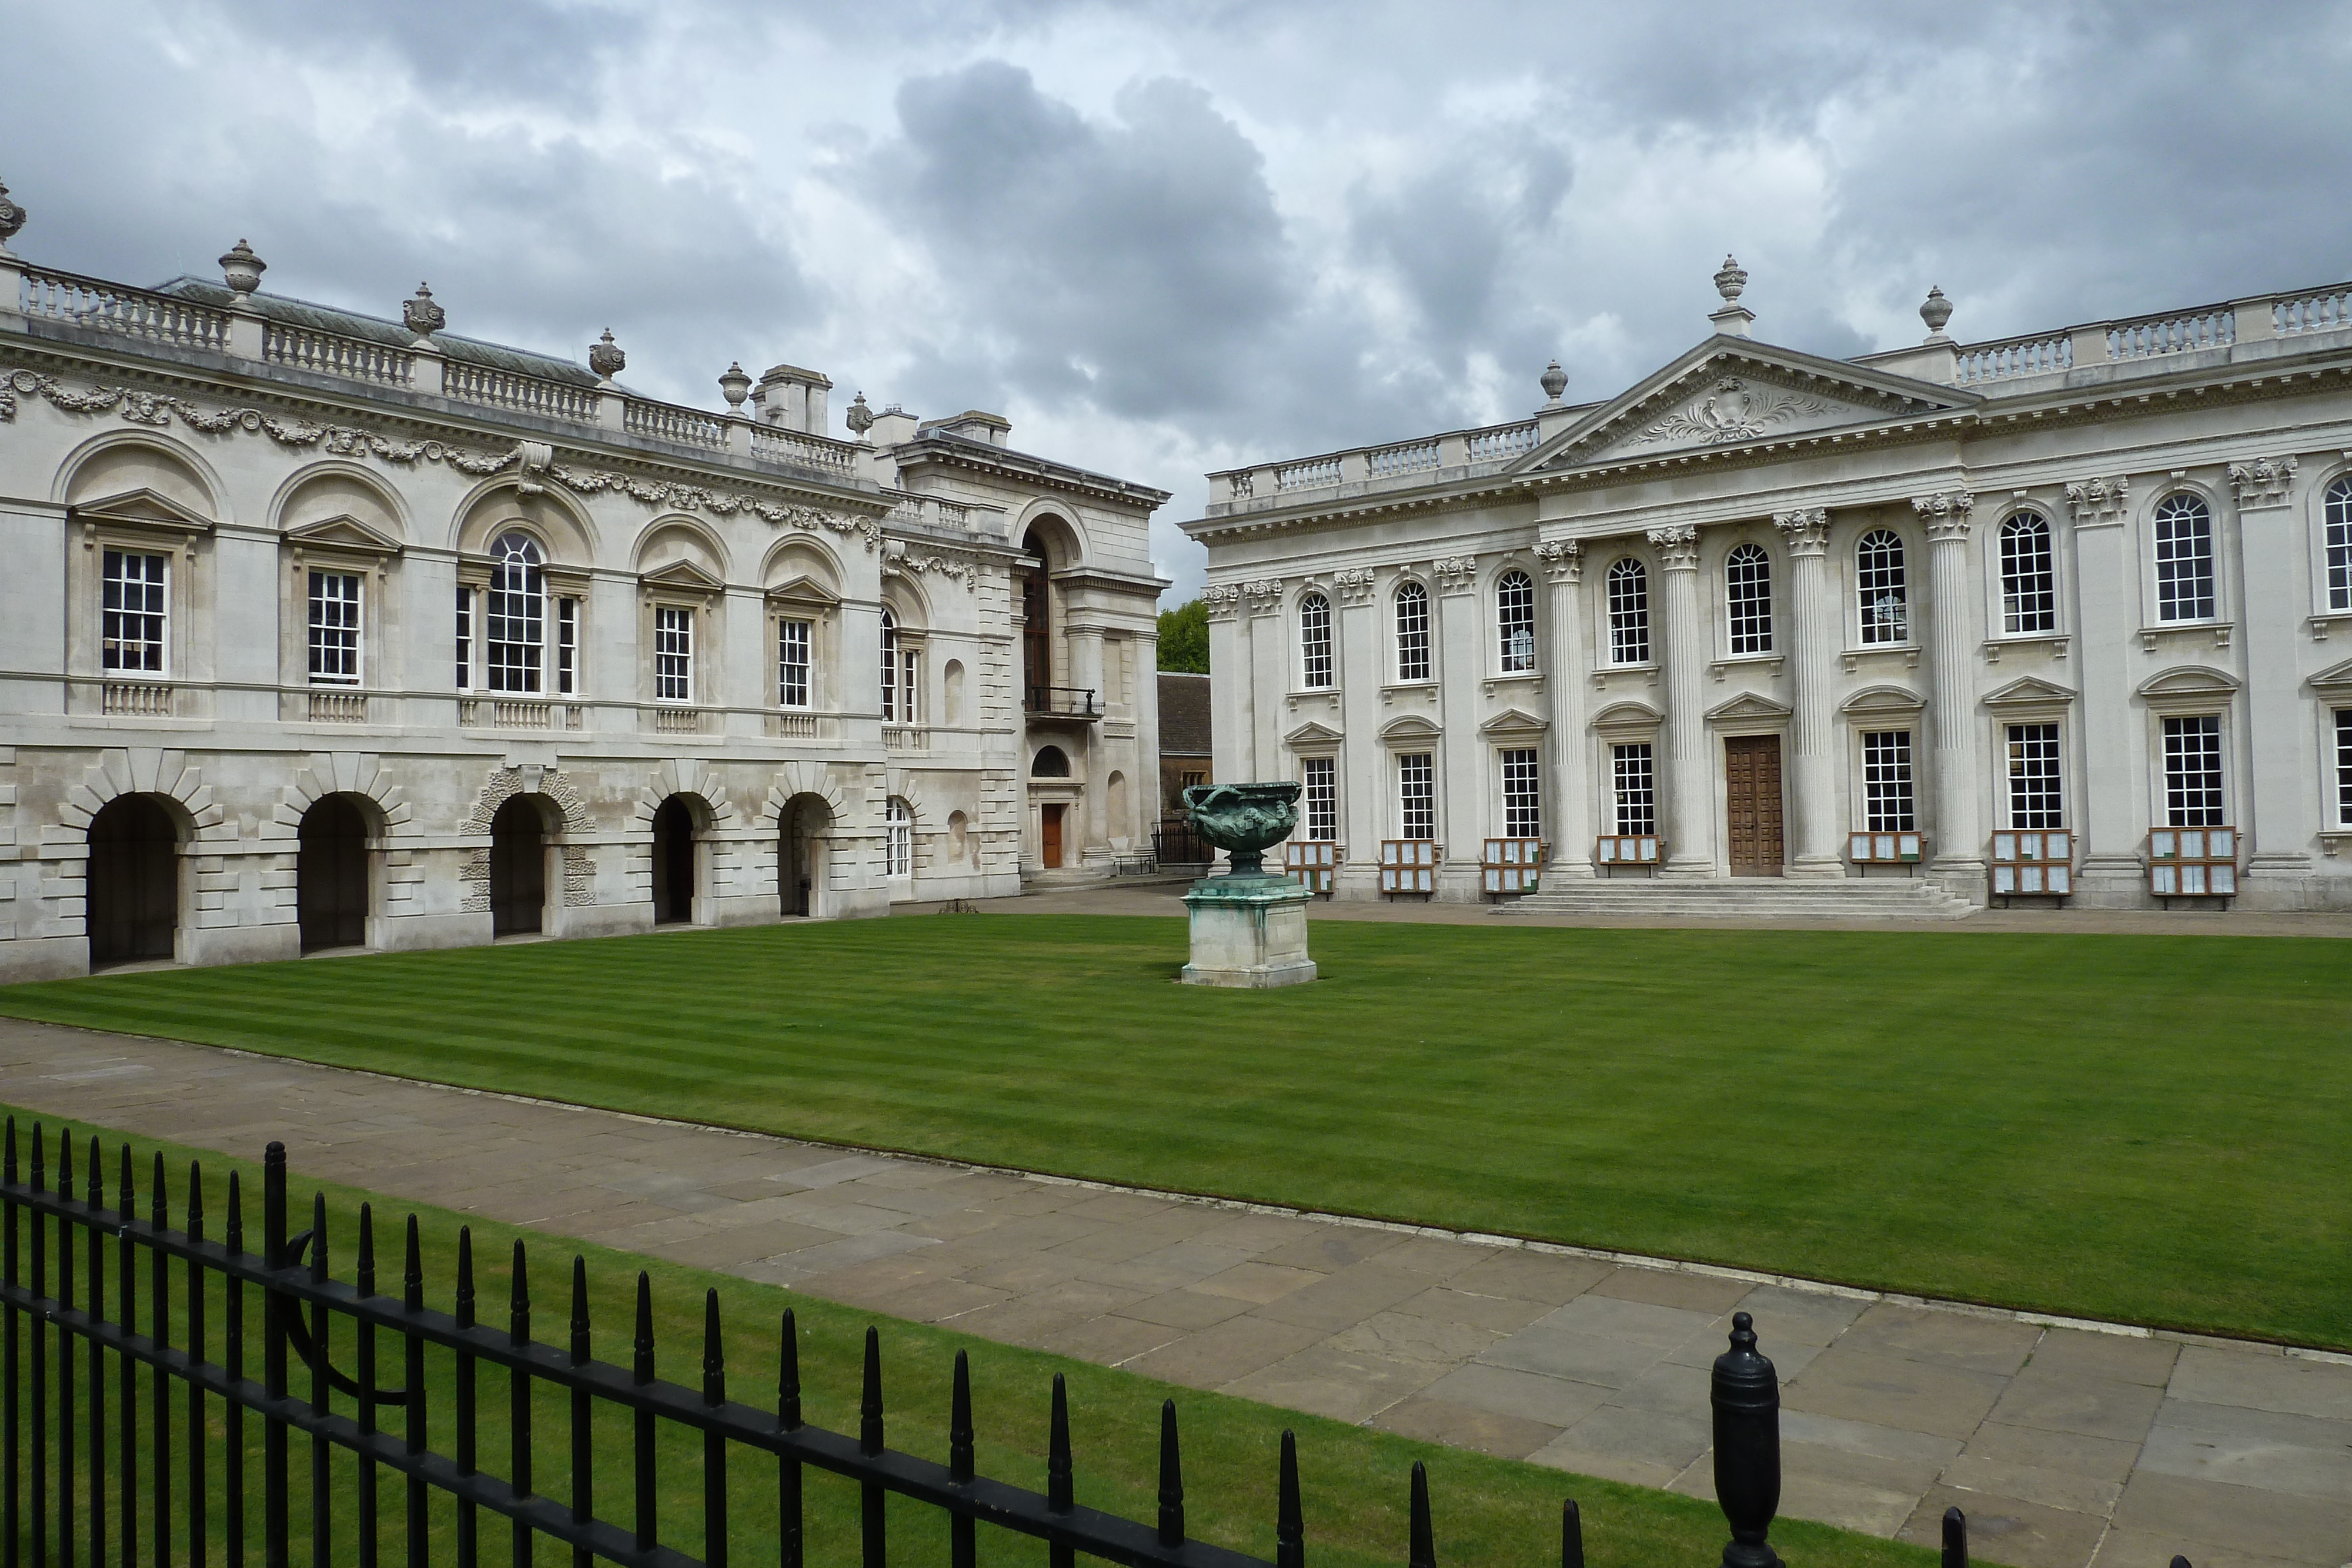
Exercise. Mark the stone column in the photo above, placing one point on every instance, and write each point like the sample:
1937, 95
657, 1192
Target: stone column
1231, 720
1092, 811
2276, 818
1814, 641
1459, 644
1568, 825
1362, 673
2108, 805
1952, 636
1690, 759
1270, 678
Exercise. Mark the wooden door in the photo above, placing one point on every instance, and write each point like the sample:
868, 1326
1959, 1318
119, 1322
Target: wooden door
1050, 835
1751, 776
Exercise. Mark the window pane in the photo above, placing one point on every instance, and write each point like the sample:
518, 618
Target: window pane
1879, 583
899, 839
2339, 545
1522, 786
793, 663
1748, 590
1634, 777
1514, 622
1314, 642
2028, 582
2344, 766
334, 628
1412, 633
133, 597
673, 655
1628, 613
1416, 796
464, 638
2036, 797
515, 623
1322, 798
2192, 771
567, 646
2184, 560
1886, 781
889, 668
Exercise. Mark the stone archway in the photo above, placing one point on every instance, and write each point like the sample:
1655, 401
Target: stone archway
518, 867
676, 885
332, 880
803, 825
132, 880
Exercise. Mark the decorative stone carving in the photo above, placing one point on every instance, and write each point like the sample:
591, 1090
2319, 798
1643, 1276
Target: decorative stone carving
1554, 382
606, 358
1936, 312
1806, 530
1265, 595
421, 315
532, 461
1678, 547
1455, 574
2263, 481
1222, 602
1945, 514
735, 386
1243, 485
1563, 559
1734, 318
242, 271
1732, 410
860, 418
11, 219
1355, 584
1731, 280
2098, 502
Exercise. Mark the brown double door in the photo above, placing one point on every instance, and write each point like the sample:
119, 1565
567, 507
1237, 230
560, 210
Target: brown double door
1751, 779
1049, 827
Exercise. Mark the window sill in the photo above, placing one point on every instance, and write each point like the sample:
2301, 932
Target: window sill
1531, 679
2333, 621
2219, 631
2054, 643
1647, 670
2334, 841
1906, 651
1771, 663
1392, 690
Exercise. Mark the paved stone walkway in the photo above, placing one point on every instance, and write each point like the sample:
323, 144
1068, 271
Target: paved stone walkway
2066, 1446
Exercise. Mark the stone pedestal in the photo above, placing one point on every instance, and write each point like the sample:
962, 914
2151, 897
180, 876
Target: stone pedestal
1248, 931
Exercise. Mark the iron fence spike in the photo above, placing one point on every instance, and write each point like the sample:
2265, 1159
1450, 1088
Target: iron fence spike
9, 1158
1059, 1489
869, 1407
1955, 1539
788, 1372
714, 1354
579, 1310
1289, 1521
1423, 1547
364, 1266
519, 1297
195, 1197
1571, 1535
959, 1459
159, 1211
412, 1272
1171, 1479
465, 1276
644, 1343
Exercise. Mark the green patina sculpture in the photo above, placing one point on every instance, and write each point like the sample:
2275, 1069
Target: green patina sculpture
1244, 819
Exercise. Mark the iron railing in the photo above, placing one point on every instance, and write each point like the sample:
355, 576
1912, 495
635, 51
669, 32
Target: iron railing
1176, 841
1062, 702
58, 1338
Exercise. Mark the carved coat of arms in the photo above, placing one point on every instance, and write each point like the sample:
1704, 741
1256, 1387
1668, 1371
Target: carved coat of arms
1732, 410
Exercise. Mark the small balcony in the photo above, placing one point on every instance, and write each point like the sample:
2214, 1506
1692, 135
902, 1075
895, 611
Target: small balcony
1080, 703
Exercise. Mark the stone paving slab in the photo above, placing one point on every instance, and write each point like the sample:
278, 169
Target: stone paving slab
2068, 1447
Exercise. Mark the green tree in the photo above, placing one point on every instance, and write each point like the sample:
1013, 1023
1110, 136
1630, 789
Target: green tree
1184, 638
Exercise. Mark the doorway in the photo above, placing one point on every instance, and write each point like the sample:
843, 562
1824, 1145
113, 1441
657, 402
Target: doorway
1751, 781
799, 833
133, 882
518, 869
673, 862
330, 875
1049, 837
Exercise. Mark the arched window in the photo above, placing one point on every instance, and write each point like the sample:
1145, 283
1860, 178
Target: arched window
894, 692
2029, 581
1514, 622
2339, 545
2184, 560
899, 839
1314, 642
516, 622
1747, 595
1051, 762
1629, 611
1412, 633
1878, 582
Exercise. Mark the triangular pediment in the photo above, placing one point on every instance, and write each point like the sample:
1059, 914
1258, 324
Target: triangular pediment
1730, 393
1313, 734
1409, 726
1747, 705
2028, 691
803, 589
2334, 678
343, 532
145, 508
2189, 681
683, 576
1883, 699
1514, 721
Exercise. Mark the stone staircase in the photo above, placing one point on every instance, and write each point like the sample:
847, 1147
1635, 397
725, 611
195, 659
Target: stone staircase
1743, 898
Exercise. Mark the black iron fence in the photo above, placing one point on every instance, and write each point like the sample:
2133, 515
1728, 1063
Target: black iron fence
1062, 702
70, 1361
1176, 841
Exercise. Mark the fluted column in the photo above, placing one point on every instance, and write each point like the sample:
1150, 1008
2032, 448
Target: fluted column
1813, 640
1570, 824
1951, 651
1690, 761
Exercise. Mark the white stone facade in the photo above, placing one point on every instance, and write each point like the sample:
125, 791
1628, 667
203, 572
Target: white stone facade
245, 538
2097, 579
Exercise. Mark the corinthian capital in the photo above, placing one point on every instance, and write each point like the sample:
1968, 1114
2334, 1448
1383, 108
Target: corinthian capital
1945, 514
1806, 530
1678, 547
1563, 559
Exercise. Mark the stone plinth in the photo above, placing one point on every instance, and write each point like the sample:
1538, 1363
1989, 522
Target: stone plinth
1248, 931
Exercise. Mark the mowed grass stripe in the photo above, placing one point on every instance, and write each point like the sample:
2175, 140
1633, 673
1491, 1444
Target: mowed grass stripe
2146, 1128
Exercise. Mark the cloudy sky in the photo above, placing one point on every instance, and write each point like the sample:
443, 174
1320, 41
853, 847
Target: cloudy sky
1168, 239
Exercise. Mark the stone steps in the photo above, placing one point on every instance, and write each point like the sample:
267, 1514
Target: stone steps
1743, 898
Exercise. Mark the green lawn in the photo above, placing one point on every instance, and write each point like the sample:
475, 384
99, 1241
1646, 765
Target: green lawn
1353, 1480
2144, 1128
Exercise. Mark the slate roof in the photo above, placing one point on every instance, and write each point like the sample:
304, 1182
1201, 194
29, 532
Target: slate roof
376, 329
1183, 714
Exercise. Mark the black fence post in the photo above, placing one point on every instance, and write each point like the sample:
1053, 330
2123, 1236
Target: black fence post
643, 1372
1421, 1550
1955, 1539
1171, 1479
963, 1545
788, 1469
94, 1204
714, 1441
198, 1481
126, 1295
1571, 1535
1290, 1520
363, 1284
1745, 1394
8, 1368
159, 1288
519, 1398
469, 1512
870, 1443
232, 1350
583, 1439
321, 1488
1060, 1489
412, 1301
274, 1308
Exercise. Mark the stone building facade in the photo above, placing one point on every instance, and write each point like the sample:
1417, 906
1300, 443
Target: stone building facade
325, 629
2059, 613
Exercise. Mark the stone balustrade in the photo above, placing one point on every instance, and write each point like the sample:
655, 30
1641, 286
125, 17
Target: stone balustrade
50, 295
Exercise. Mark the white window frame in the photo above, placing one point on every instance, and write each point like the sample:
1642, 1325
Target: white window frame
1520, 770
792, 630
1317, 672
673, 653
1416, 774
2199, 565
1625, 590
1634, 789
2336, 545
2029, 592
2021, 786
567, 646
1515, 625
2193, 795
1318, 807
153, 637
334, 626
2342, 766
1747, 617
1889, 784
898, 839
519, 613
1882, 588
1414, 656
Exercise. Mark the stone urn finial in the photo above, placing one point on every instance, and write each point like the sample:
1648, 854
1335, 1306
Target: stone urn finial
242, 271
11, 218
1731, 279
1936, 312
606, 358
859, 418
421, 315
1554, 382
735, 386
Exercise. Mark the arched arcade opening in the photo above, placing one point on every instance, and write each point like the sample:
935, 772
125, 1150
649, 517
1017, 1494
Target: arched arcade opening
132, 887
